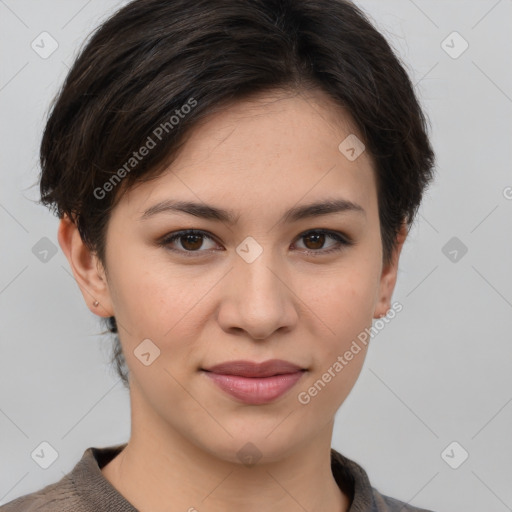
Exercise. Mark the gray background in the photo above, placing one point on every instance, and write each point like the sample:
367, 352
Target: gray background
439, 372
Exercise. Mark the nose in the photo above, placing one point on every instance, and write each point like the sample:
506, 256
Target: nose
259, 298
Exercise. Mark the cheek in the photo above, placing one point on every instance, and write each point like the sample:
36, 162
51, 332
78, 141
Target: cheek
149, 294
342, 301
340, 350
163, 303
341, 308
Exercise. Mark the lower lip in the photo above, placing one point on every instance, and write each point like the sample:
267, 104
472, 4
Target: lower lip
255, 390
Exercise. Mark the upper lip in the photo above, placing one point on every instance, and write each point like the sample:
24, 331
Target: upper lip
253, 369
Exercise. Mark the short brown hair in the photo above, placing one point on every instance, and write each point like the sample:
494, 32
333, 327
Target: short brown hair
148, 60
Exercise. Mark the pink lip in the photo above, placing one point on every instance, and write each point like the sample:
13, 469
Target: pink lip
255, 383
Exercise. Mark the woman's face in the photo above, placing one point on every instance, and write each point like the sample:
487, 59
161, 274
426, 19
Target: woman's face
259, 286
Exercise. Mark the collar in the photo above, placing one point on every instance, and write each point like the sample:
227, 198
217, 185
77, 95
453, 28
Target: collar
98, 492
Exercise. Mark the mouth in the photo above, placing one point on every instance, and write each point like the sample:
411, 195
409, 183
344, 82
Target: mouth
255, 383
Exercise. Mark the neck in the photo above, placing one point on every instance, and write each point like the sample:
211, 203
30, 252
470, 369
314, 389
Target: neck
160, 470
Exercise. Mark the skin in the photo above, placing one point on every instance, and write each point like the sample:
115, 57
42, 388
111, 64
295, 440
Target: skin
258, 158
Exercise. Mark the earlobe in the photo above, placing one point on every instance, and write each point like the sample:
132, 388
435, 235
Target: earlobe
389, 275
86, 268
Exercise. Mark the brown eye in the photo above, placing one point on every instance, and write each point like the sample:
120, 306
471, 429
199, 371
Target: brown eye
315, 240
191, 241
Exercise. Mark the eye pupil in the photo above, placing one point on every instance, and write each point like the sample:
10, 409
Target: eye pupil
317, 237
191, 242
194, 246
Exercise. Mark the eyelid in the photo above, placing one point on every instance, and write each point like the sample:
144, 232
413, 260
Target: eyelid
169, 238
342, 239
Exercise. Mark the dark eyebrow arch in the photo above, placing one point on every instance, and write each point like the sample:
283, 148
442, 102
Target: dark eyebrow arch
295, 214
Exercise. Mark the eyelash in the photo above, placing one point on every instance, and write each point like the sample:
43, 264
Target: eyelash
341, 239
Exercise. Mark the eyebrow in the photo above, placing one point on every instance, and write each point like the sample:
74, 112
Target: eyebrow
294, 214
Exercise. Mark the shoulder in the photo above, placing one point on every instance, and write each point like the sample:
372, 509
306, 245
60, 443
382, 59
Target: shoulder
84, 489
353, 480
387, 504
59, 496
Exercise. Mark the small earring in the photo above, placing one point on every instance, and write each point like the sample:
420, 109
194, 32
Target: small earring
95, 303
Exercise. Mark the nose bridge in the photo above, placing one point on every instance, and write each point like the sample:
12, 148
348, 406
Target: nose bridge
256, 270
261, 302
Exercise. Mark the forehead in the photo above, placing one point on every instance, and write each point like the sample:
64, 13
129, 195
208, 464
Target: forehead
276, 148
276, 116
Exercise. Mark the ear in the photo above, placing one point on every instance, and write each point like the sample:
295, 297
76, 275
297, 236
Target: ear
389, 275
87, 269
